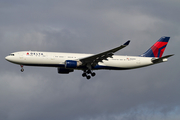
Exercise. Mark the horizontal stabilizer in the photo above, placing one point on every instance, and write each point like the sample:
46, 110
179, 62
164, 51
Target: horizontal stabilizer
162, 59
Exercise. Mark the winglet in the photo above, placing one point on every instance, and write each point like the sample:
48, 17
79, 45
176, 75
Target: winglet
127, 43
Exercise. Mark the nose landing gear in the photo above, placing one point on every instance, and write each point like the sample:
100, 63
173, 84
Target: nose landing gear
22, 70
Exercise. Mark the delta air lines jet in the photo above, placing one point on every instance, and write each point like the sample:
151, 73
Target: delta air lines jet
68, 62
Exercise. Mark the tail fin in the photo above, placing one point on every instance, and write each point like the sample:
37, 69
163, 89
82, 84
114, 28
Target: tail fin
157, 49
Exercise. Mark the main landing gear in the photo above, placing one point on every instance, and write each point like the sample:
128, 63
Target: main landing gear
22, 70
86, 72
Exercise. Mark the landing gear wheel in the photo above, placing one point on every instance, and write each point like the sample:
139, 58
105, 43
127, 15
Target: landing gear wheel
89, 71
88, 77
93, 74
84, 75
88, 74
22, 70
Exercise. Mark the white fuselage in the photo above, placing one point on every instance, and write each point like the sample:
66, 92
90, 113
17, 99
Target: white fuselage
55, 59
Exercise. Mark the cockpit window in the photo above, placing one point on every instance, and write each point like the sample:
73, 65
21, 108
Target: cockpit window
11, 54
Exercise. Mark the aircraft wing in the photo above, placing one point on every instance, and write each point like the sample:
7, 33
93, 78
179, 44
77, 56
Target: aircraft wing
94, 59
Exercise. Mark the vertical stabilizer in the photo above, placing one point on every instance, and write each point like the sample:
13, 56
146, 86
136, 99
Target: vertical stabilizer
157, 49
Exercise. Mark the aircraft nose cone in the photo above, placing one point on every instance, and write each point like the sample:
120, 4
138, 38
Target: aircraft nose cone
7, 58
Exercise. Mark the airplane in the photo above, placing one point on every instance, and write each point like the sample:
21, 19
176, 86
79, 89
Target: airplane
68, 62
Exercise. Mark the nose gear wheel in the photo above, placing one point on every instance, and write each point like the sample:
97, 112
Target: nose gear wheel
22, 70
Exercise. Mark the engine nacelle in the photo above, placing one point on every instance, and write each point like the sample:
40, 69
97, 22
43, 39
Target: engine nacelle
72, 64
64, 71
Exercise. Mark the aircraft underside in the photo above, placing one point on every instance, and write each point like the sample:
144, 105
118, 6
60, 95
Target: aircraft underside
88, 73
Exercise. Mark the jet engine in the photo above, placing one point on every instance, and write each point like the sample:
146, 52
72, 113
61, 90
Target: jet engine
64, 71
72, 64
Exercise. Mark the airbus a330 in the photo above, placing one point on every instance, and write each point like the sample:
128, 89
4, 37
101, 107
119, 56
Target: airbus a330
68, 62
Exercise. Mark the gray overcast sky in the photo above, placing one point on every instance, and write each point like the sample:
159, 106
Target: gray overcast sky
89, 26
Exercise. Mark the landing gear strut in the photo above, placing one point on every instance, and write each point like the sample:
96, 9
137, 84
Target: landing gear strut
86, 72
22, 70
